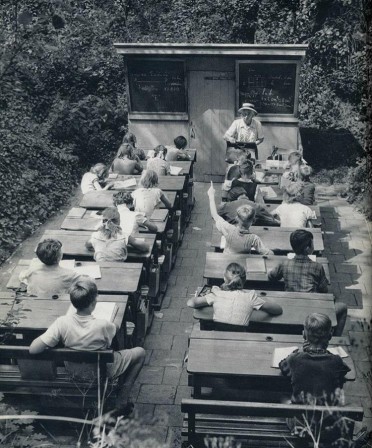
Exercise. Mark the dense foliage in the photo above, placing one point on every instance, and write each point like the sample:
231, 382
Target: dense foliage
62, 86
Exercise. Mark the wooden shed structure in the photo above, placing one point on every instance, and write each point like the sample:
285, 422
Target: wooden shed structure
195, 90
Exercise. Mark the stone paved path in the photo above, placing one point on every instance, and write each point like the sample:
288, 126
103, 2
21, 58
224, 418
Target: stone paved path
163, 381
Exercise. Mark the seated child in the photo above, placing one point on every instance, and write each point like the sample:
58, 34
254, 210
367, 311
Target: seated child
176, 152
158, 163
295, 160
307, 196
316, 374
92, 180
304, 275
82, 331
132, 140
130, 221
233, 170
147, 196
231, 303
238, 238
247, 181
291, 212
109, 242
228, 210
46, 277
125, 161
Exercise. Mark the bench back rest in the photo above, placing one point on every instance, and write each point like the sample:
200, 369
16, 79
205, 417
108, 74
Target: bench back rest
43, 366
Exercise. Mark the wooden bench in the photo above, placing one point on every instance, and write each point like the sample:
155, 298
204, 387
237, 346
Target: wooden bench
259, 424
44, 376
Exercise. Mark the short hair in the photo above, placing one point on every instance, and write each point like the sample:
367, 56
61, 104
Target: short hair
180, 142
305, 171
149, 179
292, 192
159, 149
129, 138
300, 240
126, 149
49, 251
100, 169
294, 157
246, 213
318, 328
111, 214
83, 292
123, 197
235, 193
235, 276
246, 167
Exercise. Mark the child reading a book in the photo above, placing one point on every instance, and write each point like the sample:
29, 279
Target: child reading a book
95, 179
177, 152
304, 275
247, 181
147, 197
238, 237
82, 331
316, 374
45, 277
125, 161
231, 303
109, 242
138, 153
130, 221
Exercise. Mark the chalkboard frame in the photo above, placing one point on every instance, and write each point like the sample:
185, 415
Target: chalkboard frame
269, 61
157, 115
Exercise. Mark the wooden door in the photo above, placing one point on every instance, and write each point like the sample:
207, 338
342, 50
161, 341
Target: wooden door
211, 112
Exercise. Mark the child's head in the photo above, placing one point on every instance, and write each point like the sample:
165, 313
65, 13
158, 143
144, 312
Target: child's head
292, 192
180, 142
246, 168
149, 179
83, 293
244, 159
234, 277
237, 193
100, 170
160, 151
126, 150
49, 251
302, 242
295, 158
130, 138
318, 329
245, 215
305, 172
110, 222
123, 197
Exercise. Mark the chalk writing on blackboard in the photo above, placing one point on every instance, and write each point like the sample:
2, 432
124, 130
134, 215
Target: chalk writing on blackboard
269, 86
157, 86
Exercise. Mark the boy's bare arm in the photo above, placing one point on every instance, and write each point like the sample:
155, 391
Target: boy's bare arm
37, 346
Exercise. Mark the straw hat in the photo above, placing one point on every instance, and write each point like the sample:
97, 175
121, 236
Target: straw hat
248, 106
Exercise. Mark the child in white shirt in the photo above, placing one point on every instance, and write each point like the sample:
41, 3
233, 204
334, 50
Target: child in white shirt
92, 180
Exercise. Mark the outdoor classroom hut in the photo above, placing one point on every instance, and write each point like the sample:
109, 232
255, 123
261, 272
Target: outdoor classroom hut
195, 90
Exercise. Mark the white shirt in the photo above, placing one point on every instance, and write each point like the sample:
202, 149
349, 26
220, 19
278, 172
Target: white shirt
293, 215
129, 221
80, 332
233, 307
160, 166
89, 182
146, 200
241, 132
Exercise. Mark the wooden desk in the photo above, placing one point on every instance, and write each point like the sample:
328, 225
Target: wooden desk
185, 165
274, 238
83, 219
117, 277
296, 307
190, 152
74, 244
277, 199
33, 316
216, 263
317, 222
244, 358
103, 199
166, 183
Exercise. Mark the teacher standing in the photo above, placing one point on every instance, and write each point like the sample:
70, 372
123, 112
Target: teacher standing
246, 129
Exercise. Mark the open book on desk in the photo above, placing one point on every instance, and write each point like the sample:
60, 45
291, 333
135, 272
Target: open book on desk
122, 184
255, 264
103, 310
281, 353
175, 170
268, 192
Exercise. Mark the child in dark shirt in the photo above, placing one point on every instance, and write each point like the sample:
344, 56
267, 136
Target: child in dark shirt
316, 374
304, 275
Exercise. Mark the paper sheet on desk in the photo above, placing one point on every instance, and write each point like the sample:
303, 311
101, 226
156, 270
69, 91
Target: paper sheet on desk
125, 183
260, 176
93, 270
175, 170
338, 351
281, 353
268, 192
255, 264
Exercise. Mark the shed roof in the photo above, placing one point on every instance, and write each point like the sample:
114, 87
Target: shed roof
177, 49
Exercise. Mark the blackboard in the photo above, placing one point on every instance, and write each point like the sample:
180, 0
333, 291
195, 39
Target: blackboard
157, 86
271, 87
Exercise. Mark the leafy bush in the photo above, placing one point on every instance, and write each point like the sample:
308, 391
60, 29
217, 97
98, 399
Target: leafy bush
359, 186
